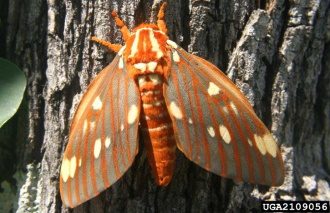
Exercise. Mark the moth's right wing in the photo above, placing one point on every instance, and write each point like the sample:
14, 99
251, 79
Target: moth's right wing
103, 139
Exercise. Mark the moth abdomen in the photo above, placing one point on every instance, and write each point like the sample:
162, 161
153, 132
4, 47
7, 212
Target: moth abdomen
157, 130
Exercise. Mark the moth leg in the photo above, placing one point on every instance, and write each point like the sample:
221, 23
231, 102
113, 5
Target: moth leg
123, 28
161, 18
110, 46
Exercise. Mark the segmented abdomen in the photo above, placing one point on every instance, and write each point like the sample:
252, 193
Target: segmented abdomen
156, 126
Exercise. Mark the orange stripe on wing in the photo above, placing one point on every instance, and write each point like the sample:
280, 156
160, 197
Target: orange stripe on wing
68, 182
120, 144
194, 116
78, 171
261, 131
200, 118
260, 163
115, 145
104, 168
69, 193
128, 150
92, 160
222, 154
192, 111
238, 167
271, 167
216, 71
84, 182
244, 141
181, 105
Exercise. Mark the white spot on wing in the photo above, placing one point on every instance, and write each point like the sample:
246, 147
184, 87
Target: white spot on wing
211, 131
79, 162
97, 148
151, 66
121, 63
132, 114
250, 142
260, 144
121, 51
122, 127
225, 110
97, 104
190, 121
175, 110
172, 44
213, 89
233, 106
107, 142
73, 165
270, 144
141, 66
224, 133
176, 56
65, 169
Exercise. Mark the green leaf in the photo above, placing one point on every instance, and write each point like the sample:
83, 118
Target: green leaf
12, 86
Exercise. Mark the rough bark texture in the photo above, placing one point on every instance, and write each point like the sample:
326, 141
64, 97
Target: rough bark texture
276, 52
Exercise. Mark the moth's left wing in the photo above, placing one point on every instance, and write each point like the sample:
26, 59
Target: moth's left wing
215, 126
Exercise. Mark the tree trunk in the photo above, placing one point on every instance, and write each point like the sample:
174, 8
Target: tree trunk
277, 53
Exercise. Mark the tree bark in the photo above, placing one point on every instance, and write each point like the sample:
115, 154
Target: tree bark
277, 53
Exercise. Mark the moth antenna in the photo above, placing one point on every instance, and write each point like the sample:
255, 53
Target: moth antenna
122, 26
110, 46
161, 18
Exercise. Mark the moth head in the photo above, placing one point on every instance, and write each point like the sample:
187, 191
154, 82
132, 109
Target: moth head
146, 47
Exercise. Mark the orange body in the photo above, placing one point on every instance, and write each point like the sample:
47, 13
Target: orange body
157, 131
148, 62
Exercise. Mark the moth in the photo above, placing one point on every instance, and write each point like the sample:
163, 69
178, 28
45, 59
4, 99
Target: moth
176, 100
